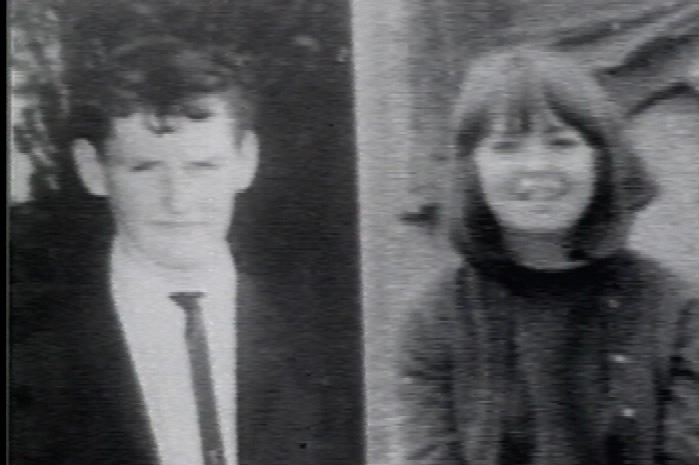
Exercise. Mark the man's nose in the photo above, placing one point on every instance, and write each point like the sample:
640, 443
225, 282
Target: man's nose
177, 191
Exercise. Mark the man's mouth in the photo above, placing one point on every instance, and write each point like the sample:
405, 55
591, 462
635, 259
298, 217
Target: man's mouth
178, 224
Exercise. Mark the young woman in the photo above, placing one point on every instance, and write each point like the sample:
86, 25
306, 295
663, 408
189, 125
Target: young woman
552, 344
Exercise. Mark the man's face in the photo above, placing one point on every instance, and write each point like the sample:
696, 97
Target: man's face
538, 182
173, 194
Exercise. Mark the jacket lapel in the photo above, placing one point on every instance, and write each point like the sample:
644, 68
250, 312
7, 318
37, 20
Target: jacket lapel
119, 428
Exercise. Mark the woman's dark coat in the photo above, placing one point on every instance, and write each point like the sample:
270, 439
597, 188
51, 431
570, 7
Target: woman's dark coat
454, 401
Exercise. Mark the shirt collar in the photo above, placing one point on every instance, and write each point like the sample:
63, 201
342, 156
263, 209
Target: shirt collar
139, 274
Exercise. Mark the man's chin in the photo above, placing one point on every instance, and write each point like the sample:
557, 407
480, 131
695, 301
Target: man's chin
185, 258
189, 252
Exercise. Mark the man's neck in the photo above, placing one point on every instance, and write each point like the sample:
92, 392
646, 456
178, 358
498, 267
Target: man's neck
178, 277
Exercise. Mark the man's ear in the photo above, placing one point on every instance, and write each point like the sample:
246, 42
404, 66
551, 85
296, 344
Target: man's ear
250, 156
89, 167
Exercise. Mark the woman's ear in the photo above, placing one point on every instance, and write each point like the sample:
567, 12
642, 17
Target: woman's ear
89, 167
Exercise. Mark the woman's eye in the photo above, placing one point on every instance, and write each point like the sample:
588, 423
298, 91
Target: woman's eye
143, 166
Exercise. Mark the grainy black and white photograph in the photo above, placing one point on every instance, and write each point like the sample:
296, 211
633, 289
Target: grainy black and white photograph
381, 232
529, 204
184, 249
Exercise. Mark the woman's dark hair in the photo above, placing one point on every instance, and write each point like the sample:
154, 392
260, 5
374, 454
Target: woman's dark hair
520, 86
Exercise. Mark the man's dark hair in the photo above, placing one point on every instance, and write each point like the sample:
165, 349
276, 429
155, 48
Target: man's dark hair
164, 78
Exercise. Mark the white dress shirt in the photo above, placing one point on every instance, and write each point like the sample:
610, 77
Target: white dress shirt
154, 327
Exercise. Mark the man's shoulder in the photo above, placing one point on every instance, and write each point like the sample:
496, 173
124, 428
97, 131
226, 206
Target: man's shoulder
53, 259
50, 245
274, 295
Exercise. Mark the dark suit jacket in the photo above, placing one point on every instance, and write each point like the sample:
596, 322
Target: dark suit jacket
74, 396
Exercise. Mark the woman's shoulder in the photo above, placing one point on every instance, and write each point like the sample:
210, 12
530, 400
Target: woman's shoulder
671, 300
656, 277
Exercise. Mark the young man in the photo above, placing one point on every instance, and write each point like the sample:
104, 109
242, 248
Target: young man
152, 346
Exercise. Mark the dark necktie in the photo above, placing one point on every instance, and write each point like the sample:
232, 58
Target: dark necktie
195, 335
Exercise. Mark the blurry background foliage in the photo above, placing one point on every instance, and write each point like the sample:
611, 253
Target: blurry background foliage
58, 47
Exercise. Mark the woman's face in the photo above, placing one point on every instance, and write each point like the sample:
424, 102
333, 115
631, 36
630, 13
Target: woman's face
537, 182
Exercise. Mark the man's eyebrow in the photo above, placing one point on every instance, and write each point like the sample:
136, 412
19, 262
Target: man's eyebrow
557, 129
208, 159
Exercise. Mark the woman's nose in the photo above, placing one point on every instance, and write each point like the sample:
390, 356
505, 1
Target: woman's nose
537, 157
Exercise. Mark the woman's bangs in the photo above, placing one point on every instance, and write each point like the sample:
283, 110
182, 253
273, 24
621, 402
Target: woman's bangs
521, 95
525, 102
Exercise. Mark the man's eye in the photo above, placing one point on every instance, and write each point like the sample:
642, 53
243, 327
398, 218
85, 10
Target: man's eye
143, 166
505, 145
203, 165
564, 142
196, 113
